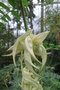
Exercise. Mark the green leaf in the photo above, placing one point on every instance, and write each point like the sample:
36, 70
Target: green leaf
25, 2
1, 24
57, 47
5, 15
1, 12
51, 45
4, 6
8, 17
49, 1
12, 2
15, 14
3, 18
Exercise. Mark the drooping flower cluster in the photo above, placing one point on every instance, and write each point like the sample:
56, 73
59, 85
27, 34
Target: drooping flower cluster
30, 45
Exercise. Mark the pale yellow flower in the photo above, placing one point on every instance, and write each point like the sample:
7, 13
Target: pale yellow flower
30, 45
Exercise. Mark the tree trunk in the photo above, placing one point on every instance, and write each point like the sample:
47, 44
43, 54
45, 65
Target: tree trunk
42, 15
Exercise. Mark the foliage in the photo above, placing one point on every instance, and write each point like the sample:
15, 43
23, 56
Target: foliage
6, 39
25, 2
10, 78
52, 43
50, 80
19, 6
4, 36
49, 1
53, 50
52, 22
53, 40
19, 9
4, 16
4, 10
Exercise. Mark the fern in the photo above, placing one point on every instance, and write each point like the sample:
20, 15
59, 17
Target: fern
51, 81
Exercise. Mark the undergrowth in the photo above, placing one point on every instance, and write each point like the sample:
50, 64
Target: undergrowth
10, 79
